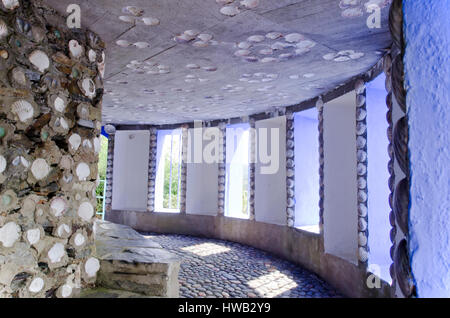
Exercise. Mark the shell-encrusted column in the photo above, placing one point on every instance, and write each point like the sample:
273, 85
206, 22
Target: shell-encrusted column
111, 131
222, 167
319, 106
184, 156
361, 150
252, 169
50, 125
152, 170
290, 169
402, 277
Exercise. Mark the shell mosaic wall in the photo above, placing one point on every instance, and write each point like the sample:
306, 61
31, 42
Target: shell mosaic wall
50, 122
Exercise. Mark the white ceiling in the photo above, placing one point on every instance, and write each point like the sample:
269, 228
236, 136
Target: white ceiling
154, 85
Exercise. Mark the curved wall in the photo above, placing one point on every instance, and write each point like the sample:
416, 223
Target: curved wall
300, 247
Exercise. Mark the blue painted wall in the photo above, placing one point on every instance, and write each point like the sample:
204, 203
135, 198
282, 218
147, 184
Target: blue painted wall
427, 64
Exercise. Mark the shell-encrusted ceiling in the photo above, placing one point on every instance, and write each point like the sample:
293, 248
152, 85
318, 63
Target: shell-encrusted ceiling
177, 61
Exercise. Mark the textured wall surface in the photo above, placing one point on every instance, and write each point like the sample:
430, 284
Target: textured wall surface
50, 121
427, 65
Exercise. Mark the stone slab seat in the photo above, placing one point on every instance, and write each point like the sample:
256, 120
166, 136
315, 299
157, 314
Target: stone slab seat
130, 262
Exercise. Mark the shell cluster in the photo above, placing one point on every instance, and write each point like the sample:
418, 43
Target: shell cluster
222, 167
361, 149
233, 7
152, 170
273, 47
195, 38
403, 282
290, 169
319, 107
48, 174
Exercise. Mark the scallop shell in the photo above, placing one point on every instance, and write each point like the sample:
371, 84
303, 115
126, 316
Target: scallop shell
76, 50
193, 66
58, 206
230, 11
329, 56
294, 37
18, 75
83, 171
23, 110
242, 53
40, 60
151, 21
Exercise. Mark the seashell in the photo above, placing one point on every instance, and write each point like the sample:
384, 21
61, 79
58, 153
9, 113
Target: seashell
305, 44
127, 19
302, 51
360, 100
4, 54
268, 51
403, 268
269, 60
11, 4
363, 255
191, 33
92, 56
3, 164
151, 21
285, 56
396, 23
200, 44
123, 43
294, 37
362, 210
242, 53
401, 205
274, 35
76, 50
329, 56
256, 38
401, 144
244, 45
210, 68
88, 87
229, 10
183, 38
9, 234
397, 82
40, 60
362, 239
74, 141
133, 10
83, 171
360, 87
18, 76
205, 37
23, 110
141, 45
193, 66
40, 169
342, 59
58, 206
250, 4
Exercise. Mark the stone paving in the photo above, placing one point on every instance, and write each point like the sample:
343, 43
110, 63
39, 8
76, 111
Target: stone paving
219, 269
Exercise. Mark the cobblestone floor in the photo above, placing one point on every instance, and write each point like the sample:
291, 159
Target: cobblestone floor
219, 269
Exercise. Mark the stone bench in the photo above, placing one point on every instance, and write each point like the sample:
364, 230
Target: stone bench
132, 263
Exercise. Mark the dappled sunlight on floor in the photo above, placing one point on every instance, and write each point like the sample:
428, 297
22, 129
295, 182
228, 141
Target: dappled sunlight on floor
272, 285
206, 249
